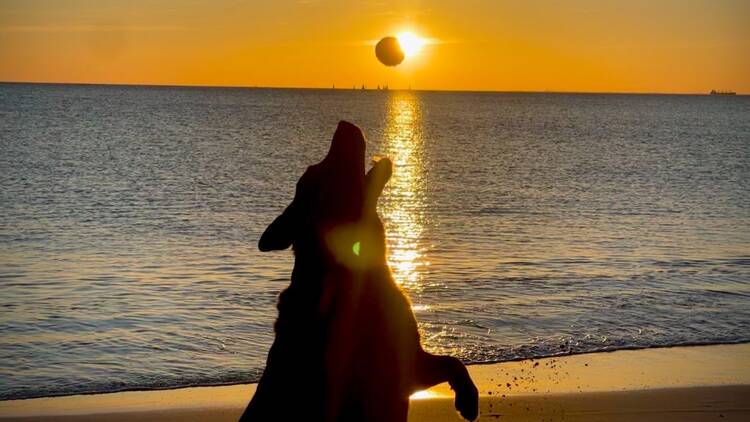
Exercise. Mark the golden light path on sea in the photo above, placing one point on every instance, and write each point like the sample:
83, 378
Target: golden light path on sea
403, 203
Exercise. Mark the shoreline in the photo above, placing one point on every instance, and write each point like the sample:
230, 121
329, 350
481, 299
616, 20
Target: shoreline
669, 383
470, 364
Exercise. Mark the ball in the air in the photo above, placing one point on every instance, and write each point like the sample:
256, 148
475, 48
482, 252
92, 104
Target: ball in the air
389, 51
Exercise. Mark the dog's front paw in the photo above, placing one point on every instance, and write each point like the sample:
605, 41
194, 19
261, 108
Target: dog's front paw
467, 401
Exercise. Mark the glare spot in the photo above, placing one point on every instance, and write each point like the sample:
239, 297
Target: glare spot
420, 308
424, 394
410, 43
355, 248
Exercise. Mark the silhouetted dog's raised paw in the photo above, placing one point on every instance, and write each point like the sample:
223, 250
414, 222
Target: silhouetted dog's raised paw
467, 401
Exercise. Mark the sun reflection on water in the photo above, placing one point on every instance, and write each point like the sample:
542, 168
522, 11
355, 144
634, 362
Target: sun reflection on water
402, 206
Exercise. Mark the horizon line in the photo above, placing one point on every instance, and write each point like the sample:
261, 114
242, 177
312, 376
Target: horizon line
157, 85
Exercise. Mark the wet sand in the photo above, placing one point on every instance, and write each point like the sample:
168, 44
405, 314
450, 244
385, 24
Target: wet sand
670, 384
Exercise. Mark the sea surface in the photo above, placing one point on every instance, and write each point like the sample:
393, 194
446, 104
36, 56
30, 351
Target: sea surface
521, 225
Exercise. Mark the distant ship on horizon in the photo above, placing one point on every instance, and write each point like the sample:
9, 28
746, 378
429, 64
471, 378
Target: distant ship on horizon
715, 92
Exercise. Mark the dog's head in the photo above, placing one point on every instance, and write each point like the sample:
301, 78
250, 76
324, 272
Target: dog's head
333, 216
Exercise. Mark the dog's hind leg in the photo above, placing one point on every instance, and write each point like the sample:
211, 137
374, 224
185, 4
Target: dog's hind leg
434, 369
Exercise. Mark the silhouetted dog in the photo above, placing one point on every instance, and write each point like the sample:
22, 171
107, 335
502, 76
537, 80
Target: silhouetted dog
347, 346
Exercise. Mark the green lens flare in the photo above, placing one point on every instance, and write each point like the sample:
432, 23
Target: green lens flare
355, 248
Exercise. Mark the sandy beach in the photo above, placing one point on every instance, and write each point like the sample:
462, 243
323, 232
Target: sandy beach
669, 384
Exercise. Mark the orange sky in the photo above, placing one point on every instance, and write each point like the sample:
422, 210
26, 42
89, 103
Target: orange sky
529, 45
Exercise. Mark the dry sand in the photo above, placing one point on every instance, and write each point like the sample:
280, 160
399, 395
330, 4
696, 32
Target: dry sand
671, 384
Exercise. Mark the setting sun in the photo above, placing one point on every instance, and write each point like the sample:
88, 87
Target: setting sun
410, 43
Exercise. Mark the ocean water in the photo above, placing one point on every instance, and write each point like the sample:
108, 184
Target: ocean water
521, 225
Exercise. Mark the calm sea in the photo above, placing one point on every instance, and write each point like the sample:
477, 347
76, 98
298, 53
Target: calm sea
521, 225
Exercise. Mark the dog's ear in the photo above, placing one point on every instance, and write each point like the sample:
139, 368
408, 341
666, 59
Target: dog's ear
279, 234
376, 179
